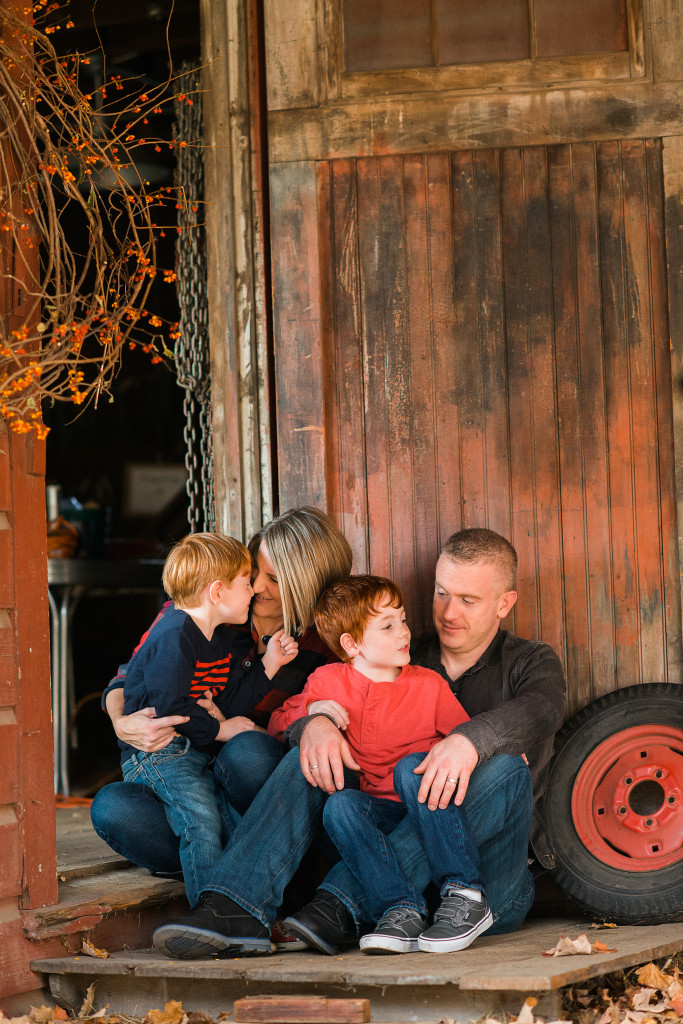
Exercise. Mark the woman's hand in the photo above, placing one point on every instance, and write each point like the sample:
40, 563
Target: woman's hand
335, 711
280, 651
233, 726
207, 703
144, 731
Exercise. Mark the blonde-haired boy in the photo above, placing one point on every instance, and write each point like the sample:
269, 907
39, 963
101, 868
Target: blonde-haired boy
187, 652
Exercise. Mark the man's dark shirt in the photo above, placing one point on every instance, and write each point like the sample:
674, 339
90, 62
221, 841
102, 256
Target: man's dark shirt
515, 697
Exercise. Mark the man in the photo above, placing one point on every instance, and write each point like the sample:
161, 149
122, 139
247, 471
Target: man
513, 690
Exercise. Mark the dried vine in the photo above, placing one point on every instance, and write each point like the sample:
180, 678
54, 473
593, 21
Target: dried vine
68, 170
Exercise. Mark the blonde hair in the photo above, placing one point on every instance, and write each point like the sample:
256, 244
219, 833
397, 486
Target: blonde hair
308, 553
199, 559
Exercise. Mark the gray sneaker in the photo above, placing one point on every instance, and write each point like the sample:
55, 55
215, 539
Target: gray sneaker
396, 932
457, 923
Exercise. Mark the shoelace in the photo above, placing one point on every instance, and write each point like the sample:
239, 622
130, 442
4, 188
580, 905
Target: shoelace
454, 907
396, 916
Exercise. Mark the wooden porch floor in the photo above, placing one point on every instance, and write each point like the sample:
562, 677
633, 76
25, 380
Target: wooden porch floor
495, 975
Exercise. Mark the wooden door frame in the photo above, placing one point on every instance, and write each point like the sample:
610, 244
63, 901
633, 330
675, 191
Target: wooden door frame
305, 122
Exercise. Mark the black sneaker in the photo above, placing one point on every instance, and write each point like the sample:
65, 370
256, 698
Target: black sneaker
396, 932
324, 923
216, 925
457, 923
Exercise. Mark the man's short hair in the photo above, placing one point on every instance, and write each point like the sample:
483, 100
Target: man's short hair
479, 545
199, 559
348, 605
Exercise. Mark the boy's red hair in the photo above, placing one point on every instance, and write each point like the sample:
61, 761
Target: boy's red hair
348, 605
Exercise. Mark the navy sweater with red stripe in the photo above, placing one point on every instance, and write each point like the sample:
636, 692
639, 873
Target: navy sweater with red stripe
174, 667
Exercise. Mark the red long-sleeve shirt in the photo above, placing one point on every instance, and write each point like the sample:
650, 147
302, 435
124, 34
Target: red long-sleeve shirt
386, 720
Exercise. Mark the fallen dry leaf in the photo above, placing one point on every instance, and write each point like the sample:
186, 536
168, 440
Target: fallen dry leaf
42, 1014
600, 947
651, 977
60, 1013
676, 1002
569, 947
172, 1013
91, 950
88, 1003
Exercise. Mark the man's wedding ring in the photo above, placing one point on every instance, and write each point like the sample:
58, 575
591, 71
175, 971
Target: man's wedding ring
313, 767
452, 780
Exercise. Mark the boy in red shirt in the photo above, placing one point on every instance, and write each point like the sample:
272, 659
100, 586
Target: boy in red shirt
389, 709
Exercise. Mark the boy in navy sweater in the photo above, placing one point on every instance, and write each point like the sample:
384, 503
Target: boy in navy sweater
187, 652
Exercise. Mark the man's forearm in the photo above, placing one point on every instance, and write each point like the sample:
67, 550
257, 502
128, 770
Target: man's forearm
293, 733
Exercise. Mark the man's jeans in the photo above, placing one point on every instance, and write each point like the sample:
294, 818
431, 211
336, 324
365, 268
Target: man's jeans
359, 825
283, 819
179, 775
499, 807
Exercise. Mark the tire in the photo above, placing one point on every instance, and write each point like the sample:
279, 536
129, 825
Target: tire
614, 805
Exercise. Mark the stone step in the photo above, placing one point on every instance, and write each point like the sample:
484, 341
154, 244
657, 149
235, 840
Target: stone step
495, 975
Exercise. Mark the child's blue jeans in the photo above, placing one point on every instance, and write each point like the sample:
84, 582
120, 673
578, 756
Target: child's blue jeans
181, 778
359, 823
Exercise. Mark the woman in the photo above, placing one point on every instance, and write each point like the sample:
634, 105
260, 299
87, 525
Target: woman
296, 557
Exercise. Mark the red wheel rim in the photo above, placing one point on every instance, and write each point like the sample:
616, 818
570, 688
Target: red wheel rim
627, 800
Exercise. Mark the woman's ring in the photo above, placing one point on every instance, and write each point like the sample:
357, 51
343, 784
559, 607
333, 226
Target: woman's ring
452, 780
312, 767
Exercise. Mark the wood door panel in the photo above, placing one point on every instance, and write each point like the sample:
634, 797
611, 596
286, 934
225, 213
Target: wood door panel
495, 352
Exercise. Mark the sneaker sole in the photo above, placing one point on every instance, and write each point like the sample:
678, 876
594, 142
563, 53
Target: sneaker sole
188, 943
452, 945
377, 945
310, 937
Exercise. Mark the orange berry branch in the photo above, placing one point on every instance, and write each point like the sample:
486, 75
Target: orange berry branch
78, 222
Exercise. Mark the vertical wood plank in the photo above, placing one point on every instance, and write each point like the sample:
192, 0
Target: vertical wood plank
594, 436
470, 382
345, 423
291, 53
619, 413
491, 342
398, 395
549, 566
521, 390
672, 655
646, 498
443, 215
375, 334
574, 580
424, 205
297, 335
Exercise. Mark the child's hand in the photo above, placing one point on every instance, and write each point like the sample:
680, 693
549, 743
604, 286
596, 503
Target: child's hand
207, 703
233, 726
337, 713
280, 651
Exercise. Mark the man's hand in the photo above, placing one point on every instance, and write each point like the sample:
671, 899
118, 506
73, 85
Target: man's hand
144, 731
324, 752
447, 768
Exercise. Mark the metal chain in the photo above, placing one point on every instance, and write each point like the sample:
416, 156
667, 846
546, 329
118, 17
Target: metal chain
192, 357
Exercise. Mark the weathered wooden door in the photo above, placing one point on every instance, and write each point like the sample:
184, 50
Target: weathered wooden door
472, 330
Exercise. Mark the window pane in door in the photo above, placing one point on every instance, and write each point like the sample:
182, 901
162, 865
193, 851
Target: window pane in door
474, 31
584, 26
383, 34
